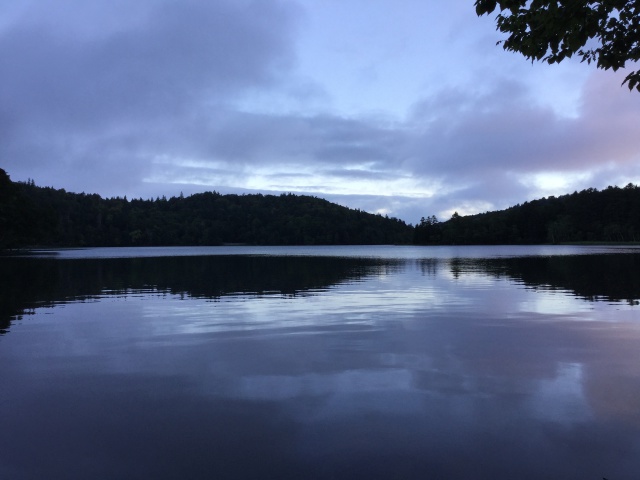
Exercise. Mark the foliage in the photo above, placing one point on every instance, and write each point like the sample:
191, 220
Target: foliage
610, 215
426, 231
605, 32
45, 216
21, 221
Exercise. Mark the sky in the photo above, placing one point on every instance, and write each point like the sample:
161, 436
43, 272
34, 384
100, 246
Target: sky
404, 108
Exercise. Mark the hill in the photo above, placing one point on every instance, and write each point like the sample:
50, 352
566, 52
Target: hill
42, 216
610, 215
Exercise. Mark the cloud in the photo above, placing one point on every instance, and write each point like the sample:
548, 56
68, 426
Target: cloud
175, 54
496, 141
144, 98
74, 83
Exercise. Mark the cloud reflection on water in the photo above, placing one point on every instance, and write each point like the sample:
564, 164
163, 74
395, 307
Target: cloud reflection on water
415, 368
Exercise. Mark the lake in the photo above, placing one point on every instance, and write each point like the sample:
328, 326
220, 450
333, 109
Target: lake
321, 362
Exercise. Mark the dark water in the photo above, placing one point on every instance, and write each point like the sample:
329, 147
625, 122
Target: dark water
407, 363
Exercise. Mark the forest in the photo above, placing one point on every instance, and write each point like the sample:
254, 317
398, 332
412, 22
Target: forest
33, 216
611, 215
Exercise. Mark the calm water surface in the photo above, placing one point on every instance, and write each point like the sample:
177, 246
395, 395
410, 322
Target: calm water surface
321, 362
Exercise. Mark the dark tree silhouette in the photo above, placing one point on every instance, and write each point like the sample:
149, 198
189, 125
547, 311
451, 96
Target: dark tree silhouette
427, 231
32, 215
610, 215
605, 32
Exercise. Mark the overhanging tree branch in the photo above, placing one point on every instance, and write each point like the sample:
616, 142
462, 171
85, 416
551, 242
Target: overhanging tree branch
606, 32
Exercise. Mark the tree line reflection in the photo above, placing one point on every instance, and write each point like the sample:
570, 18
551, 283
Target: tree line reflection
607, 277
27, 283
30, 282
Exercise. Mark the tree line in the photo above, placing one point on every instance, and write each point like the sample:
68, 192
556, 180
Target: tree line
609, 215
43, 216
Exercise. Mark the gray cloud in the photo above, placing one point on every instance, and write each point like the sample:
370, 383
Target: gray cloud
73, 85
502, 131
184, 53
321, 139
144, 98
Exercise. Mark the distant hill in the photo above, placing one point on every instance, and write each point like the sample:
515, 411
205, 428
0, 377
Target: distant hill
610, 215
42, 216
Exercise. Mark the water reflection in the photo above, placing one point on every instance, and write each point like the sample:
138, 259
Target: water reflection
27, 283
351, 369
593, 277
